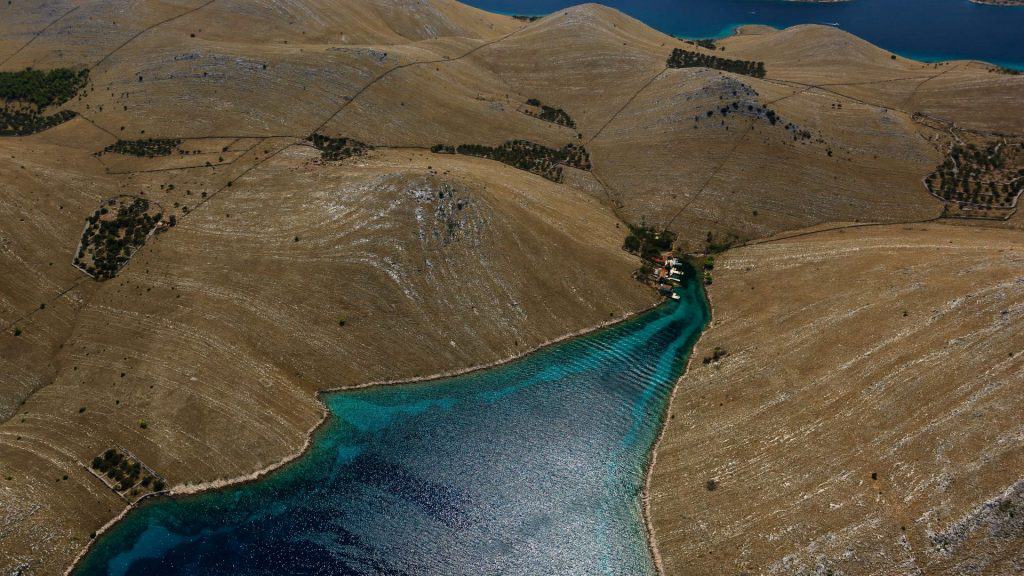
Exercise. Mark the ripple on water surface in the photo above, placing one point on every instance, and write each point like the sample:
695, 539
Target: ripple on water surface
534, 467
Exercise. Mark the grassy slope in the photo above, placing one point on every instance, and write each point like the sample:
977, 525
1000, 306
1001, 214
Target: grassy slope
606, 70
235, 303
888, 350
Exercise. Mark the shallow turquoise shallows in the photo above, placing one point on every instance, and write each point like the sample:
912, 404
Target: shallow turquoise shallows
533, 467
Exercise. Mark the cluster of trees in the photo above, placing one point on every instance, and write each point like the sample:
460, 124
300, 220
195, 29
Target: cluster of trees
42, 89
27, 92
523, 18
149, 147
717, 354
708, 43
798, 133
337, 148
758, 110
551, 114
647, 241
112, 236
972, 174
526, 155
685, 59
124, 471
714, 244
22, 122
1008, 71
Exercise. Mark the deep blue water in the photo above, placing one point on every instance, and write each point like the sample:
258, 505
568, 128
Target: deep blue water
923, 29
533, 467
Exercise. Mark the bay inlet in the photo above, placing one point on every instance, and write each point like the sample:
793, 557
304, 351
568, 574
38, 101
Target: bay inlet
532, 467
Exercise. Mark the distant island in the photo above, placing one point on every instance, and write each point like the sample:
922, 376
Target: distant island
1000, 2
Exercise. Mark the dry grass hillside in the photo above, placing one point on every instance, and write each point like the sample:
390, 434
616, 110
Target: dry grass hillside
845, 145
842, 143
276, 268
865, 415
301, 276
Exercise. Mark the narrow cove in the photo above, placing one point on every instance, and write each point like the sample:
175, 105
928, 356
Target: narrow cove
531, 467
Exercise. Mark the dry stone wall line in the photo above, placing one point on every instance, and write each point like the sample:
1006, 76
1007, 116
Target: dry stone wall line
37, 35
151, 27
387, 72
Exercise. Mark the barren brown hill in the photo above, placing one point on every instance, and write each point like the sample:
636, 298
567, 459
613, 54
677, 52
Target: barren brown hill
863, 415
280, 265
300, 277
697, 150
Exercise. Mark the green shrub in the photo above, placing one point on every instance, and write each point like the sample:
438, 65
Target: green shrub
551, 114
685, 59
647, 241
708, 43
26, 93
112, 236
42, 89
526, 155
337, 148
149, 147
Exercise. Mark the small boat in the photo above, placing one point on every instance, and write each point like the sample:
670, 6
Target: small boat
675, 296
836, 24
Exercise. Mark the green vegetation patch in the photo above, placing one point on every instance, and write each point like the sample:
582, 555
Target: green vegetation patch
549, 113
147, 148
708, 43
717, 354
648, 242
338, 148
988, 175
1007, 71
685, 59
42, 89
22, 122
113, 233
125, 474
715, 243
526, 155
27, 92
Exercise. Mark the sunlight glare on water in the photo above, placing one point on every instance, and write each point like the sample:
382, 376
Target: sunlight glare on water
533, 467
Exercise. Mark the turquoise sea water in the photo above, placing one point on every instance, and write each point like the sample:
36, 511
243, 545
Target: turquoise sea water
927, 30
533, 467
